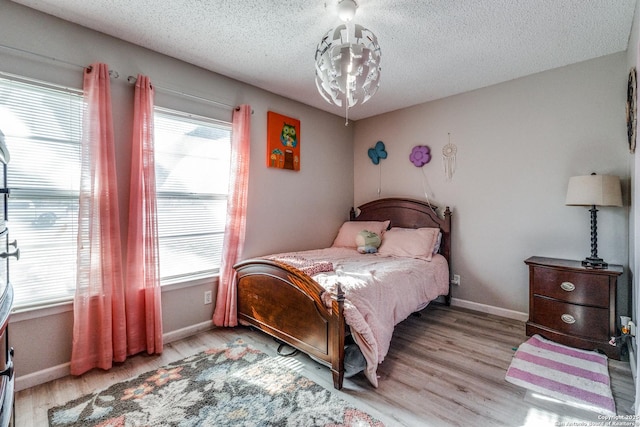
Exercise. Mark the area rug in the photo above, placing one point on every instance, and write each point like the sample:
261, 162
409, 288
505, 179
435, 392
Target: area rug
577, 377
234, 385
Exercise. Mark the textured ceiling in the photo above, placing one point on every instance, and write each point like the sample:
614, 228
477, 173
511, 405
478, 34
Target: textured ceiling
430, 48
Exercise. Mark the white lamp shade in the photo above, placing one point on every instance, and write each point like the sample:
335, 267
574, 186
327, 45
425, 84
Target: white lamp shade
598, 190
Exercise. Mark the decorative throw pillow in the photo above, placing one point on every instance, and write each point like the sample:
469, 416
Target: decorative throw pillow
409, 242
346, 237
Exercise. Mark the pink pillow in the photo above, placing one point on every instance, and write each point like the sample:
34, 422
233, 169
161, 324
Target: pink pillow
410, 242
346, 237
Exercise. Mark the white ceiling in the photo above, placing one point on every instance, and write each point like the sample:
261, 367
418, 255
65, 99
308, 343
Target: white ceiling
430, 48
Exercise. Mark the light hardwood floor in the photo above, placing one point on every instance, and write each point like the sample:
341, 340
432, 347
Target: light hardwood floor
445, 367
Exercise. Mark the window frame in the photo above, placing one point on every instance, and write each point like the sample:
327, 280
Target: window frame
176, 280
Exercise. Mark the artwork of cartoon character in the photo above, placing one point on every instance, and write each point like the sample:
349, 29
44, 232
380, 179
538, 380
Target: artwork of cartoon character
288, 136
283, 142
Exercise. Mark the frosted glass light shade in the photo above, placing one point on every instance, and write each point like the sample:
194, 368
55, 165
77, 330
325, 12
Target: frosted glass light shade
598, 190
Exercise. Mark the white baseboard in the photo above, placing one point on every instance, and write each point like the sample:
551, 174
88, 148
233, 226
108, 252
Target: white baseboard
490, 309
61, 371
40, 377
188, 331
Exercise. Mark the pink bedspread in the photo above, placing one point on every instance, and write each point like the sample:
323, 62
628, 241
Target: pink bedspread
379, 292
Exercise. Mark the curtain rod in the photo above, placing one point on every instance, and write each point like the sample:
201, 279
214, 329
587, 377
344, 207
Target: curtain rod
112, 73
132, 80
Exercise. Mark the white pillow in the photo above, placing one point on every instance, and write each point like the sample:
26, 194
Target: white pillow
346, 237
409, 242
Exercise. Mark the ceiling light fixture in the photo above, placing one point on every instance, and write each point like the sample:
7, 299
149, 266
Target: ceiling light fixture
348, 62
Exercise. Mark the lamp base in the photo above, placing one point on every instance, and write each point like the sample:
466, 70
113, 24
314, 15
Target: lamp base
593, 262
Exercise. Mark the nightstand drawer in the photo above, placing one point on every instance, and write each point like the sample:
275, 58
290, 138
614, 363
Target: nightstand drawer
571, 286
576, 320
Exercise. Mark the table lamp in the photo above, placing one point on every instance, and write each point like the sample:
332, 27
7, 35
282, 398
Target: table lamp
594, 190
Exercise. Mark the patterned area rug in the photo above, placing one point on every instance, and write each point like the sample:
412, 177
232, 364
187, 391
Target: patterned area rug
577, 377
235, 385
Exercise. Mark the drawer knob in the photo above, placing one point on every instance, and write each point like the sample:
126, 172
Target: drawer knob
567, 286
567, 318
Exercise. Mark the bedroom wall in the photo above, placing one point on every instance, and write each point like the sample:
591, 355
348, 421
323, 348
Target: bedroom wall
287, 210
518, 144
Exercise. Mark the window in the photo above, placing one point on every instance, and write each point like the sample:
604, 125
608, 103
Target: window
192, 157
42, 124
43, 129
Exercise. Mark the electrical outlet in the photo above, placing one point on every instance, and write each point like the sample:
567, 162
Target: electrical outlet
456, 280
207, 297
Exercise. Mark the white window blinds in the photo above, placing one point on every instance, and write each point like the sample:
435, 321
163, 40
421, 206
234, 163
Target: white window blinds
192, 157
43, 127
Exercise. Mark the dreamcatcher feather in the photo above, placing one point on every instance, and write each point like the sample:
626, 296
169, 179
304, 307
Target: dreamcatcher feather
449, 152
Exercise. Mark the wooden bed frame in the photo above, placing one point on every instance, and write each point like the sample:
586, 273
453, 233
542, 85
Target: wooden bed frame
286, 303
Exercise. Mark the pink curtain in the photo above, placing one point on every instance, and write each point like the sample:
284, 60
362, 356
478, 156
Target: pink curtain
225, 313
144, 311
99, 336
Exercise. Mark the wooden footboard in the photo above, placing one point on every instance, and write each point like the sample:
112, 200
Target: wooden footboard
286, 304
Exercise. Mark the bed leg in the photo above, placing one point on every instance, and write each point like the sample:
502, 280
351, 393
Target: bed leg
337, 332
338, 378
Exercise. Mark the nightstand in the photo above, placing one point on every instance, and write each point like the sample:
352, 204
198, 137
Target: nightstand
573, 305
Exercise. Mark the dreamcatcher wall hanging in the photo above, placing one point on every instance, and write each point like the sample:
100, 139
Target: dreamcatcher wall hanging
377, 153
449, 152
420, 156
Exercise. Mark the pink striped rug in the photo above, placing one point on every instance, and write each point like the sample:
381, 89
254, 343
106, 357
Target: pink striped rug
577, 377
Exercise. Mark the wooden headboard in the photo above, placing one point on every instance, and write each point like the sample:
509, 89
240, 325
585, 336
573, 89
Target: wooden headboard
408, 213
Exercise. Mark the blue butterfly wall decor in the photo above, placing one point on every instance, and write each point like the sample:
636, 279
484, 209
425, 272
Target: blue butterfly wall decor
377, 153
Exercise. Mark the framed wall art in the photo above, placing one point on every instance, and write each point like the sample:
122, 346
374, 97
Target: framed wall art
631, 109
283, 142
